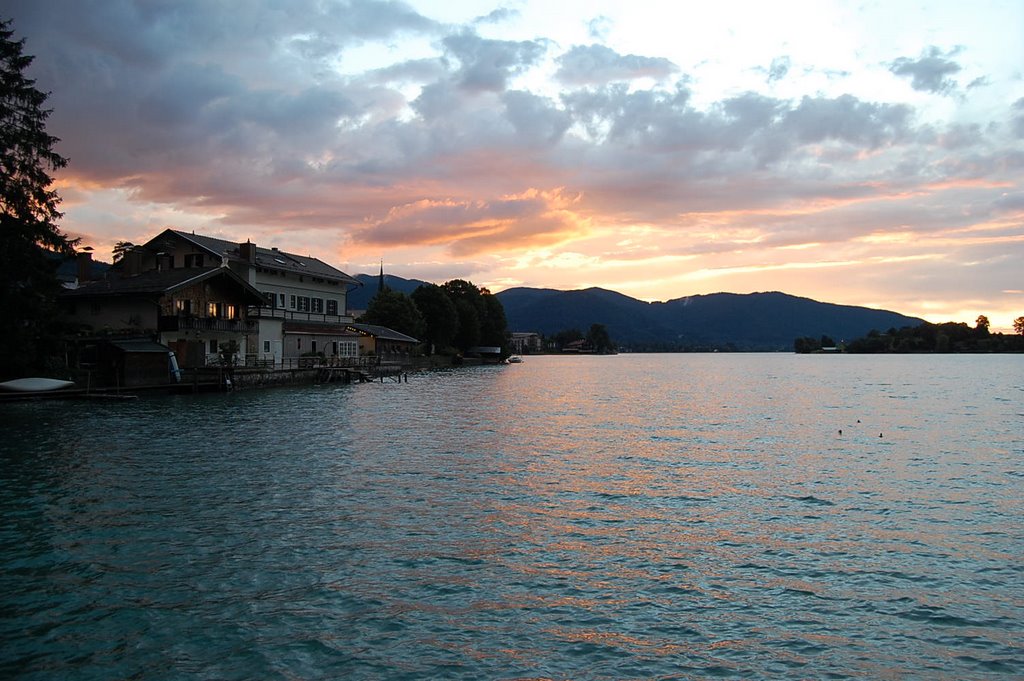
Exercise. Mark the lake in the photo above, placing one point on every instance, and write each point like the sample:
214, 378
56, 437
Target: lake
629, 517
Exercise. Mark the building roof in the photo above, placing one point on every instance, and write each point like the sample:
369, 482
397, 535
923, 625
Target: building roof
159, 282
383, 333
266, 257
141, 345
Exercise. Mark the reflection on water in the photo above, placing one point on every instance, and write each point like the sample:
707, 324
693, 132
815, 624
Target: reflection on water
676, 516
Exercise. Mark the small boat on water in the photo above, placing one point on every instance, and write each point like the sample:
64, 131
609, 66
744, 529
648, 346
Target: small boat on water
515, 359
35, 385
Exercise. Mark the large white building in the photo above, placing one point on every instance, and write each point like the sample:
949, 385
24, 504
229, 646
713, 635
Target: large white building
306, 299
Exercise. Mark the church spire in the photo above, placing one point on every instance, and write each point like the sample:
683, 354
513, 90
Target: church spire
380, 281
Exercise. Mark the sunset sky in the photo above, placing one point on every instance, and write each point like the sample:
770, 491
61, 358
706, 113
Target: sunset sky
865, 153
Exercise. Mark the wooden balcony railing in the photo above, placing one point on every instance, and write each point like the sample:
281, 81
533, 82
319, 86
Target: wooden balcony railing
189, 323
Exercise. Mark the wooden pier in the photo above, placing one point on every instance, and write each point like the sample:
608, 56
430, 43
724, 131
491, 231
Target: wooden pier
334, 374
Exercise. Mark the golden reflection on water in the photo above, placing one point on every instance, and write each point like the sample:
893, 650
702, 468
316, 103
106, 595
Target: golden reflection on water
590, 517
624, 474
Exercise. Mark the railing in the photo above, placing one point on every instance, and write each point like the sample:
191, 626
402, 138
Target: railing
312, 362
182, 323
295, 315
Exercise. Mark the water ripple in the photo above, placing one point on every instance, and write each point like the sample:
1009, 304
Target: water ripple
683, 517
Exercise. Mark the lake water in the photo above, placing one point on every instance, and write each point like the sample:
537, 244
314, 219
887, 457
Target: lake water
629, 517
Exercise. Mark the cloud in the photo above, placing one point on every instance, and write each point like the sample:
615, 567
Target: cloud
489, 64
598, 65
497, 16
599, 27
532, 218
847, 119
778, 69
1017, 120
273, 123
536, 119
930, 72
414, 71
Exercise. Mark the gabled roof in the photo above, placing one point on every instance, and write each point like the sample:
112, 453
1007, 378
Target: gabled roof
383, 332
160, 282
265, 257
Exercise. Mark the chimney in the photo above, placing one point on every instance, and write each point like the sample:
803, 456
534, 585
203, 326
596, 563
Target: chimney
248, 252
84, 267
131, 262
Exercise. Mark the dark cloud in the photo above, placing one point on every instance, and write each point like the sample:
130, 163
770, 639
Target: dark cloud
489, 64
536, 119
241, 111
598, 65
930, 72
847, 119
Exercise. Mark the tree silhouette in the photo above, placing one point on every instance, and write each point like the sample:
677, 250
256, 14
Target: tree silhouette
31, 244
396, 311
441, 319
121, 248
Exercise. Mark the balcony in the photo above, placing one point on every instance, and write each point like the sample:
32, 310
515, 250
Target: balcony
296, 316
188, 323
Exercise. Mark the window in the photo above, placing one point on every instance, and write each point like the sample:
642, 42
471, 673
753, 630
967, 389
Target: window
266, 347
298, 343
312, 346
183, 306
349, 349
303, 304
280, 300
332, 307
317, 305
291, 305
231, 311
213, 309
213, 347
193, 260
270, 297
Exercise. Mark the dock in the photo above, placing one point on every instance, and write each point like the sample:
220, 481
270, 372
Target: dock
335, 374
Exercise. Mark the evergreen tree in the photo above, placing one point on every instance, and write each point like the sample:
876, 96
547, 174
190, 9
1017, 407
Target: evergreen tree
440, 318
481, 316
396, 311
31, 244
494, 325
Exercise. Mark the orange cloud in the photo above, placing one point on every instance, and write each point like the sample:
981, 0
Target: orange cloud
532, 218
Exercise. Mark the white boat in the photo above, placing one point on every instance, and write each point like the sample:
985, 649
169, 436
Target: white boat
515, 359
35, 385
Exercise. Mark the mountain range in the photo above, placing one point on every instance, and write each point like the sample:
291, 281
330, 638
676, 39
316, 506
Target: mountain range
730, 321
